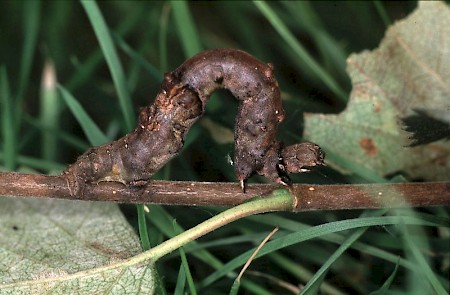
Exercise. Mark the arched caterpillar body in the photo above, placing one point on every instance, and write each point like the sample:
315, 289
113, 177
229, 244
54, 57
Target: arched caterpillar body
181, 101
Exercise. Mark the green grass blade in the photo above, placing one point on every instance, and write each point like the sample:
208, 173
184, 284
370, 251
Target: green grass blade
187, 272
299, 50
66, 137
49, 112
311, 233
162, 38
301, 273
163, 221
112, 59
307, 19
84, 70
254, 288
35, 163
382, 12
143, 232
31, 26
235, 287
337, 238
186, 28
31, 19
314, 283
138, 58
95, 136
385, 287
181, 282
411, 243
8, 128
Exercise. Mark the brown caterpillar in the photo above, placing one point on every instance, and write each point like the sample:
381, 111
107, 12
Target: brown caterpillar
181, 101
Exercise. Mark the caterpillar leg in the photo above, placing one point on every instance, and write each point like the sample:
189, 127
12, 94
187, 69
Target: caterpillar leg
242, 184
76, 185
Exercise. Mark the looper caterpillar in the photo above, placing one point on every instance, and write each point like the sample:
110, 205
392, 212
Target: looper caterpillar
180, 102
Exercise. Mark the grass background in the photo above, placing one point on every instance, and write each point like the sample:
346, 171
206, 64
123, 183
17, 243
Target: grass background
103, 82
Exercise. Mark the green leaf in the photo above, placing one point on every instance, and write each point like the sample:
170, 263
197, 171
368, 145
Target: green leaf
75, 246
406, 73
69, 247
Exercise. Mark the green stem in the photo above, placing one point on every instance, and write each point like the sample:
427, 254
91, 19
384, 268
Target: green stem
279, 200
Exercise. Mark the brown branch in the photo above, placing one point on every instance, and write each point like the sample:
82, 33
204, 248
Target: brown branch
308, 197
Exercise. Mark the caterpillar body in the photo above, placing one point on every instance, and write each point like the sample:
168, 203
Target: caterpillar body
180, 102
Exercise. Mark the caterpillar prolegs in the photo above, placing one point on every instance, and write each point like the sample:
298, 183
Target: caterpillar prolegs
180, 102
